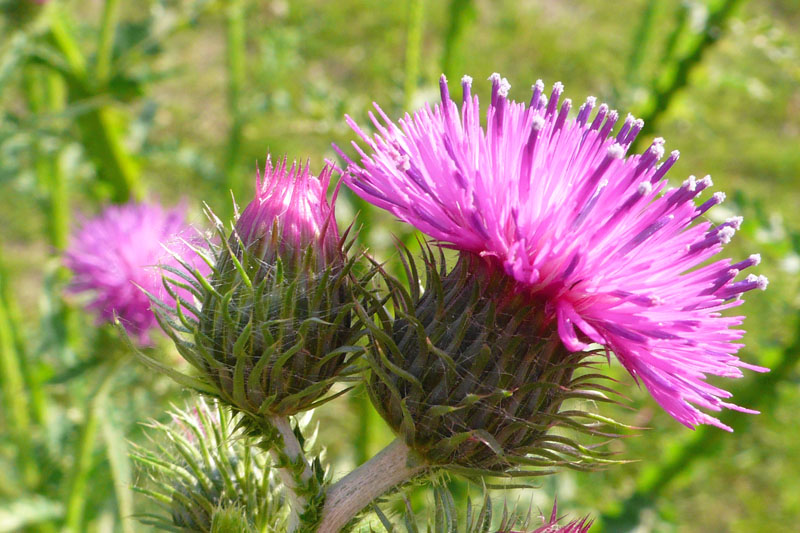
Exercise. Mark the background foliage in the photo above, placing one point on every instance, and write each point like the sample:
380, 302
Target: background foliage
179, 100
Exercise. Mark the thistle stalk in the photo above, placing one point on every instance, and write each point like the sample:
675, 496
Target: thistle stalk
76, 498
394, 465
293, 469
105, 44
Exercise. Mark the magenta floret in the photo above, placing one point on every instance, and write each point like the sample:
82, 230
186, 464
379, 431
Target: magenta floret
116, 254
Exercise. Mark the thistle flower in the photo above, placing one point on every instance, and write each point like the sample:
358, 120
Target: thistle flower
604, 252
116, 254
274, 331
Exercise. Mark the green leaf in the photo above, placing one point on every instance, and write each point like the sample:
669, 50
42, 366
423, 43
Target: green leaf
27, 512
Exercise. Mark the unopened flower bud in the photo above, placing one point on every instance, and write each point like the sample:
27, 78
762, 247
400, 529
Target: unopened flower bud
274, 331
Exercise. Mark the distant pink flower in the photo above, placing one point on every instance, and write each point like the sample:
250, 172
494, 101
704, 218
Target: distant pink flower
117, 254
597, 239
295, 203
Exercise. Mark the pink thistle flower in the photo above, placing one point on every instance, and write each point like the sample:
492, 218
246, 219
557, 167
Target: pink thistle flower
593, 236
294, 203
116, 254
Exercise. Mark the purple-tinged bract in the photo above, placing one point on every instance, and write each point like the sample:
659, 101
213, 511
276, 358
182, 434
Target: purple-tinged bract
575, 526
294, 203
593, 235
116, 254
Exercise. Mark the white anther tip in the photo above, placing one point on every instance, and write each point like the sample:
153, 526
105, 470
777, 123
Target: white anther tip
538, 85
719, 197
616, 151
762, 282
735, 222
726, 234
495, 77
756, 259
466, 80
542, 100
591, 100
644, 188
537, 123
505, 86
707, 181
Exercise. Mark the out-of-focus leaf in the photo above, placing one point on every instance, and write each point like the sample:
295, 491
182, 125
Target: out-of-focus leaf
12, 57
27, 512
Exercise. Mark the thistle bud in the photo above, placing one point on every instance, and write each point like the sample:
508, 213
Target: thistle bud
472, 376
274, 331
209, 474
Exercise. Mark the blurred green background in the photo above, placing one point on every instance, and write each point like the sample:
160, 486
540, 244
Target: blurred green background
177, 100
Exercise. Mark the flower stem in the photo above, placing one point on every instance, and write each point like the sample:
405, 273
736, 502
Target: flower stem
14, 395
293, 469
394, 465
98, 126
105, 43
416, 11
675, 78
462, 17
236, 56
83, 458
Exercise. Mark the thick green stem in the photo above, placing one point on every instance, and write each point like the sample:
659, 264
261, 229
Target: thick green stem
416, 11
393, 466
99, 134
105, 43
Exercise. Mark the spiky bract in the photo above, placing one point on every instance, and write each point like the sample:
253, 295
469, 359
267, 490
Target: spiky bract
274, 330
270, 339
468, 377
444, 518
205, 474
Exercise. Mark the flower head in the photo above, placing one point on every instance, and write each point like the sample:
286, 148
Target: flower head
292, 203
277, 304
117, 254
590, 234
